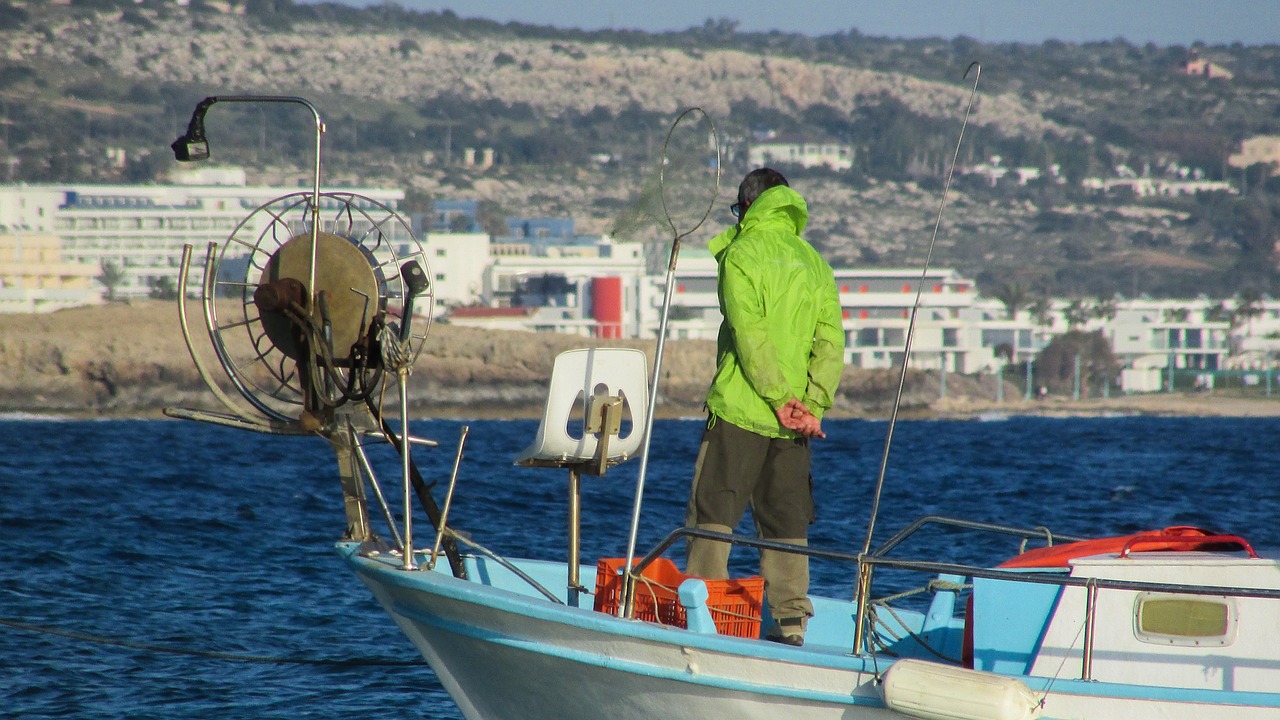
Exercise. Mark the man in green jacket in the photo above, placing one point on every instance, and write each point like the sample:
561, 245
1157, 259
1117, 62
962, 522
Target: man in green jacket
779, 357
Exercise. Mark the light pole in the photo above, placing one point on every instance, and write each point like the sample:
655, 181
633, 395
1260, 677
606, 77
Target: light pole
262, 132
1075, 387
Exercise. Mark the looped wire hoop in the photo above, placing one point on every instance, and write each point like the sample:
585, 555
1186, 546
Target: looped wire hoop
664, 162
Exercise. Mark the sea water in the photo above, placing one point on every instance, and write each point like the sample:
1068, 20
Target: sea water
164, 569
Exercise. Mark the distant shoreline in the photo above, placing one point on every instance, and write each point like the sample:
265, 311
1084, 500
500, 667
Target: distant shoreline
1154, 405
128, 361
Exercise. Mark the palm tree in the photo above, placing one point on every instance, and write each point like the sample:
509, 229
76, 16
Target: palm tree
1014, 295
111, 277
1104, 308
1041, 310
1248, 307
164, 288
1076, 313
1218, 313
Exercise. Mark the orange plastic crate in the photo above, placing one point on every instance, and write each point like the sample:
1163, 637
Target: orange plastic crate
734, 604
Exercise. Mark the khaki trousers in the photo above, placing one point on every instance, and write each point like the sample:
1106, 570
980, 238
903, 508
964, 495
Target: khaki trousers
737, 469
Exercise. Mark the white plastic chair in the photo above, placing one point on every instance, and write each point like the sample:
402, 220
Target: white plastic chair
577, 377
591, 390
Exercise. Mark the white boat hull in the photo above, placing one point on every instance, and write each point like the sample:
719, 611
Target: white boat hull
563, 663
506, 656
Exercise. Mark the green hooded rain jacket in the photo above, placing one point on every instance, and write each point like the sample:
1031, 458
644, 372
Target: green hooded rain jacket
782, 334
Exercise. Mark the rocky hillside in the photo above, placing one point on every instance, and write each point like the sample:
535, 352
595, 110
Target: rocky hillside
230, 53
577, 121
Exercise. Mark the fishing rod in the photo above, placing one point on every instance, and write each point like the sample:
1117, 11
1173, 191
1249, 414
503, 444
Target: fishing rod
864, 569
624, 607
915, 308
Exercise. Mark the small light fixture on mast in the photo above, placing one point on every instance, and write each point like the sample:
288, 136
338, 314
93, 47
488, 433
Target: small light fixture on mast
193, 146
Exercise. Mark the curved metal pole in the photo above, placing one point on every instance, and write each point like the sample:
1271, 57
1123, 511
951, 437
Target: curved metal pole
194, 145
624, 607
183, 268
864, 571
195, 135
220, 348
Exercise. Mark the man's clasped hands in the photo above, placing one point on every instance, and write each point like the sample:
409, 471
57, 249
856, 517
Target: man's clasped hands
795, 416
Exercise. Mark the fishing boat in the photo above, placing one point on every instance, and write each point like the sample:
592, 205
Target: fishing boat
311, 308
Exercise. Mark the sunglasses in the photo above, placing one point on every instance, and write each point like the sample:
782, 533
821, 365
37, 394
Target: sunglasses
736, 209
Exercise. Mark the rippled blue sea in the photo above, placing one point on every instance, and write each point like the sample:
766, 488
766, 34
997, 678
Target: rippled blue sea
162, 569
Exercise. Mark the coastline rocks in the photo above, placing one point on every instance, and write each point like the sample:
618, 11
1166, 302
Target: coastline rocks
129, 360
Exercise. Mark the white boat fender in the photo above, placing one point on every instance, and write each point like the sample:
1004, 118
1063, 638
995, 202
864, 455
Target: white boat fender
932, 691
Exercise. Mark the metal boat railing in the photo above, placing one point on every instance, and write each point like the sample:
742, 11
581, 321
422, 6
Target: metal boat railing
867, 563
1024, 533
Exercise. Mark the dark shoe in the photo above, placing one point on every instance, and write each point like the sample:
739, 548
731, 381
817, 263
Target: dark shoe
785, 631
792, 640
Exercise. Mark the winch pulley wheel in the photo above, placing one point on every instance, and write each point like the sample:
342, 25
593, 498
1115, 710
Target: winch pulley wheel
286, 348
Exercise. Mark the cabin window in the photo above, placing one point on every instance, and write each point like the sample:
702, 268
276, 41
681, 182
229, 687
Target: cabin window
1165, 619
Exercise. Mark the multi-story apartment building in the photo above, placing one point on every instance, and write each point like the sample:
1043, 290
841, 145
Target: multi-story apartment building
956, 330
876, 307
800, 152
35, 278
593, 289
141, 229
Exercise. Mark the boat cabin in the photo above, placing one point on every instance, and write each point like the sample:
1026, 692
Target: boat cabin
1137, 636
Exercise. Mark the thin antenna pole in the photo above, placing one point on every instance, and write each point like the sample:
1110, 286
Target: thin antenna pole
915, 308
624, 607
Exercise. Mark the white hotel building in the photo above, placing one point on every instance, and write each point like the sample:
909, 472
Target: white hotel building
594, 287
141, 229
956, 329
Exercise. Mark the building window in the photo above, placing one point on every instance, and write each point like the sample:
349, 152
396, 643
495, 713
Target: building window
439, 252
439, 277
950, 337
